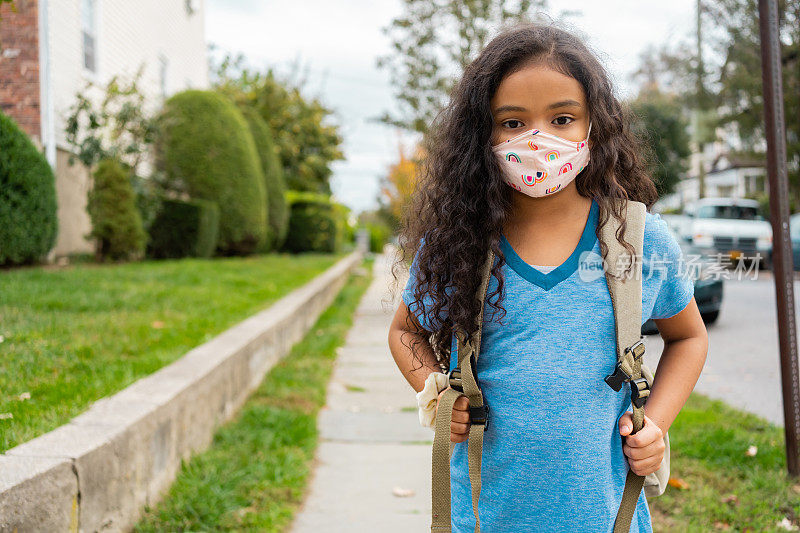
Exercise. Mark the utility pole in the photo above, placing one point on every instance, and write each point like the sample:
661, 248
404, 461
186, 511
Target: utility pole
774, 126
701, 103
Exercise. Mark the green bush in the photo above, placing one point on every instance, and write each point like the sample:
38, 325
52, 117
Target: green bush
378, 236
116, 222
184, 229
206, 149
312, 223
28, 222
274, 182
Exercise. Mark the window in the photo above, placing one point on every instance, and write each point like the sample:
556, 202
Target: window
736, 212
88, 30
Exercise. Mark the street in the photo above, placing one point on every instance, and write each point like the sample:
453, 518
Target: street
743, 365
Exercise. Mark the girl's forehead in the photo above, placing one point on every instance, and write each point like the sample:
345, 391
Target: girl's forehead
537, 86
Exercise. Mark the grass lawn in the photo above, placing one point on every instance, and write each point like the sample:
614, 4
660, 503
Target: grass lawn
254, 475
726, 489
71, 336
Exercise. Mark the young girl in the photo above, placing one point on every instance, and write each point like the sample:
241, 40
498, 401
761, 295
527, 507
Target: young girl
555, 452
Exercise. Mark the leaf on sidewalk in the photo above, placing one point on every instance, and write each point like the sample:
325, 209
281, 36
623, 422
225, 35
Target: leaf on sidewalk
402, 493
678, 483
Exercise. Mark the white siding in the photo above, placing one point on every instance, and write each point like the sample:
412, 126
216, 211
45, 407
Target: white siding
129, 34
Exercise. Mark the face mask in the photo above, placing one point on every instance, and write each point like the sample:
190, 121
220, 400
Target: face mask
540, 164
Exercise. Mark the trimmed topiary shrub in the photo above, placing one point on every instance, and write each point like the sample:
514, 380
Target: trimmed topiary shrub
277, 210
205, 148
116, 222
184, 229
312, 223
28, 221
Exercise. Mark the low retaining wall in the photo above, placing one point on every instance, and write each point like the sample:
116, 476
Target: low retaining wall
97, 472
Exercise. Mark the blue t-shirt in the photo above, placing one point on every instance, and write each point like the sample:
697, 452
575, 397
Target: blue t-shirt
552, 453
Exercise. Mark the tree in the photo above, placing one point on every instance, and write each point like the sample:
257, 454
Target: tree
659, 120
733, 81
432, 42
398, 184
307, 145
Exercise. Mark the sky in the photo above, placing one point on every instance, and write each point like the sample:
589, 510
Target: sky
337, 44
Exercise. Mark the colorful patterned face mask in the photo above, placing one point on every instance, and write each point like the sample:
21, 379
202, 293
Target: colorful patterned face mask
540, 164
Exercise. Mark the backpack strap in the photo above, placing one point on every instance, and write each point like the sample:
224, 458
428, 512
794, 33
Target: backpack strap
626, 298
463, 382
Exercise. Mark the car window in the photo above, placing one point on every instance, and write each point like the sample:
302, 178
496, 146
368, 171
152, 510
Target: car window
794, 226
733, 212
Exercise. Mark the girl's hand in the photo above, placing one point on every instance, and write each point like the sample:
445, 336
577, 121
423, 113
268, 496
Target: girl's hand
459, 427
645, 448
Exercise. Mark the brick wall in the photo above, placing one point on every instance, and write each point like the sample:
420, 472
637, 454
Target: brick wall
19, 65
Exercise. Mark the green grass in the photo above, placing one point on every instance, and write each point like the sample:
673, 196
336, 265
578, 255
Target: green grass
254, 475
74, 335
708, 441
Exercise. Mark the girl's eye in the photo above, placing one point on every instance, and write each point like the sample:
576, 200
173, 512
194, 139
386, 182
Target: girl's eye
562, 123
510, 121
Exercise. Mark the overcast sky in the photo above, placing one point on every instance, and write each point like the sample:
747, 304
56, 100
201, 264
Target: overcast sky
338, 43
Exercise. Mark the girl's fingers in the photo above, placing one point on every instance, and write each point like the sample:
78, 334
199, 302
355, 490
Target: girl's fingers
654, 448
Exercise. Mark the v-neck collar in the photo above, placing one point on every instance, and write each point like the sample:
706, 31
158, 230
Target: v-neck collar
562, 271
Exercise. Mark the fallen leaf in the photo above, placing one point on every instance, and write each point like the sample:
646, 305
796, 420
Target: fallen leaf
157, 324
678, 483
6, 415
786, 524
402, 493
722, 525
796, 488
730, 499
2, 338
25, 396
751, 451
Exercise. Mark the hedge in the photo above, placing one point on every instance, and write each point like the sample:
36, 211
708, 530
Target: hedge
116, 222
205, 148
312, 223
274, 182
184, 228
28, 221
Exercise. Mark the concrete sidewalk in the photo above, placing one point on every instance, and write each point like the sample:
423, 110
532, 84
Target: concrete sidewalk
369, 445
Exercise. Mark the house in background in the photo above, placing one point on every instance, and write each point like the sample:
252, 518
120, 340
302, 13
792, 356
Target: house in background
51, 49
727, 173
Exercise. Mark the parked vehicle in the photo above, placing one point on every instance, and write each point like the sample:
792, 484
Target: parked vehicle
707, 286
794, 233
728, 226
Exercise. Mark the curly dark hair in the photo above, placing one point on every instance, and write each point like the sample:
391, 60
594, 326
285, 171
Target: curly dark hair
460, 201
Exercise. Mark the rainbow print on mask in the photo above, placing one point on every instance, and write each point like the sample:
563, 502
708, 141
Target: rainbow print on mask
540, 176
532, 146
579, 145
552, 155
551, 190
566, 168
528, 180
511, 156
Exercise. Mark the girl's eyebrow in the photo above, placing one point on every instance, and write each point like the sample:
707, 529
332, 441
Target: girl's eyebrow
564, 103
555, 105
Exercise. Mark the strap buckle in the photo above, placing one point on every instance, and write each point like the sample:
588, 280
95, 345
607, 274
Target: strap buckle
640, 391
480, 415
619, 376
454, 376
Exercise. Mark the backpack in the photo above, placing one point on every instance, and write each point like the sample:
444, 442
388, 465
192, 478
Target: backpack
626, 298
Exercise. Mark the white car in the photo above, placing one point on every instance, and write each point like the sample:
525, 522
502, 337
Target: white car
728, 226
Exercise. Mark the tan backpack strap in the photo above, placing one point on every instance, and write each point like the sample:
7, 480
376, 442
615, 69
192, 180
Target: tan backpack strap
626, 299
462, 381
